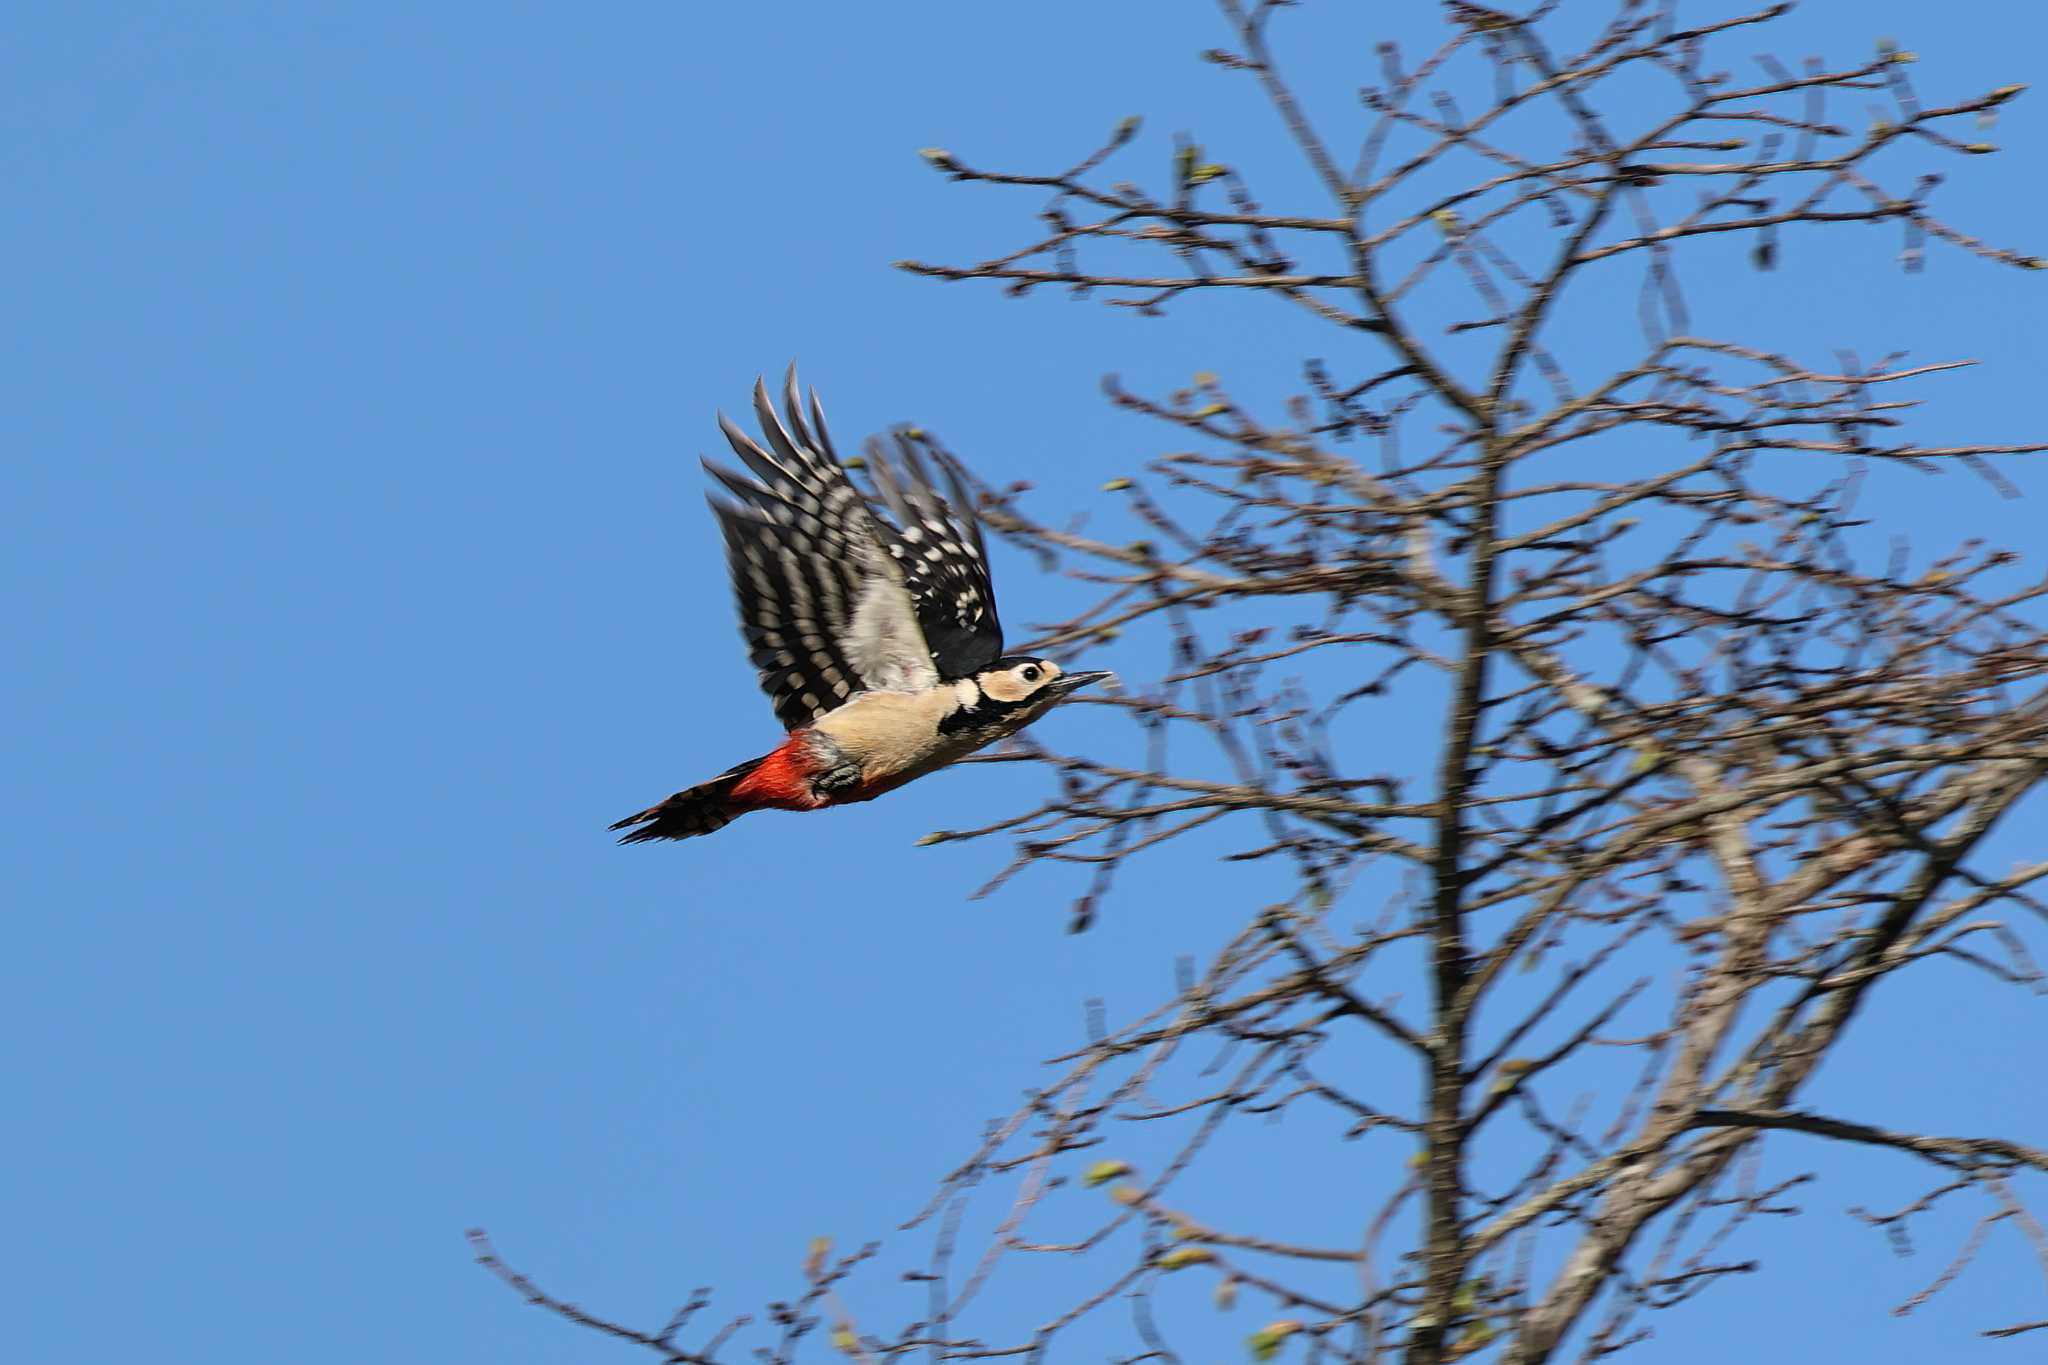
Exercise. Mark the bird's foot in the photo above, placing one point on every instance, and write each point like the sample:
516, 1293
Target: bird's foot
836, 781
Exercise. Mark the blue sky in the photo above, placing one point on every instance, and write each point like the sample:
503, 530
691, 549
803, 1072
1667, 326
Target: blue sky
358, 574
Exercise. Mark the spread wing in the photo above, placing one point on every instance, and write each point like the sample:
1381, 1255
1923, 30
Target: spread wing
940, 552
822, 600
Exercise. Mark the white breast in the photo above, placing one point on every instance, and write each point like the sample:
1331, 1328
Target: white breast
893, 734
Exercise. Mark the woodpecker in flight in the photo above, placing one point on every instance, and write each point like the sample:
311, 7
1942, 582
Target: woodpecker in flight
871, 621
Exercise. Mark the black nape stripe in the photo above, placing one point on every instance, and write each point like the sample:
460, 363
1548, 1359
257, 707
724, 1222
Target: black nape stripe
985, 710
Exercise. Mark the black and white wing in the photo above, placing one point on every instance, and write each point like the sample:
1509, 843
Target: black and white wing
822, 600
937, 544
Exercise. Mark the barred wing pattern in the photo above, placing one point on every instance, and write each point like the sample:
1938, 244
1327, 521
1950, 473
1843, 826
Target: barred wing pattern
940, 551
828, 592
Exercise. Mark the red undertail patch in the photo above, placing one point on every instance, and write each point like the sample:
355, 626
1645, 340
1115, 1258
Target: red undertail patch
782, 781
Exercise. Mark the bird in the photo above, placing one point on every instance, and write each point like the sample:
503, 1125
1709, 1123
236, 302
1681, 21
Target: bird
870, 619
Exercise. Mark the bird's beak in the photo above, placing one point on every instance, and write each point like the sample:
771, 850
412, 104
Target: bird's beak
1068, 683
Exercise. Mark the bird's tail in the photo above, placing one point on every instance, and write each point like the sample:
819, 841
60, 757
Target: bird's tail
702, 809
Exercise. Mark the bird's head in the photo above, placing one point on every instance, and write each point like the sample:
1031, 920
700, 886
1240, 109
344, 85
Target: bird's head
1024, 681
1012, 692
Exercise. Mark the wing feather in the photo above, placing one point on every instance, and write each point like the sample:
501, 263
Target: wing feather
940, 550
822, 604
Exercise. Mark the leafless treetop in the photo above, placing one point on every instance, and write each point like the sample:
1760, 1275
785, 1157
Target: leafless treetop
1707, 778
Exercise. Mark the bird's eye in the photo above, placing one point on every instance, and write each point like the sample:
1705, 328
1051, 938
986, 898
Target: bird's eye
1029, 673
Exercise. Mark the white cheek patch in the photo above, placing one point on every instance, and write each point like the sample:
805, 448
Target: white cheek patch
966, 692
1005, 687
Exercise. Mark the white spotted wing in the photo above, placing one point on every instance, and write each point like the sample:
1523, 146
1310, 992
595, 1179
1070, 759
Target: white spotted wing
833, 600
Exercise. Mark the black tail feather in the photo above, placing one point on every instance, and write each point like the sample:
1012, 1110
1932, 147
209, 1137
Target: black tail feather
703, 809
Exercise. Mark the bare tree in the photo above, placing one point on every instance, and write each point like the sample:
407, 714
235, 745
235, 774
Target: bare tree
1705, 782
